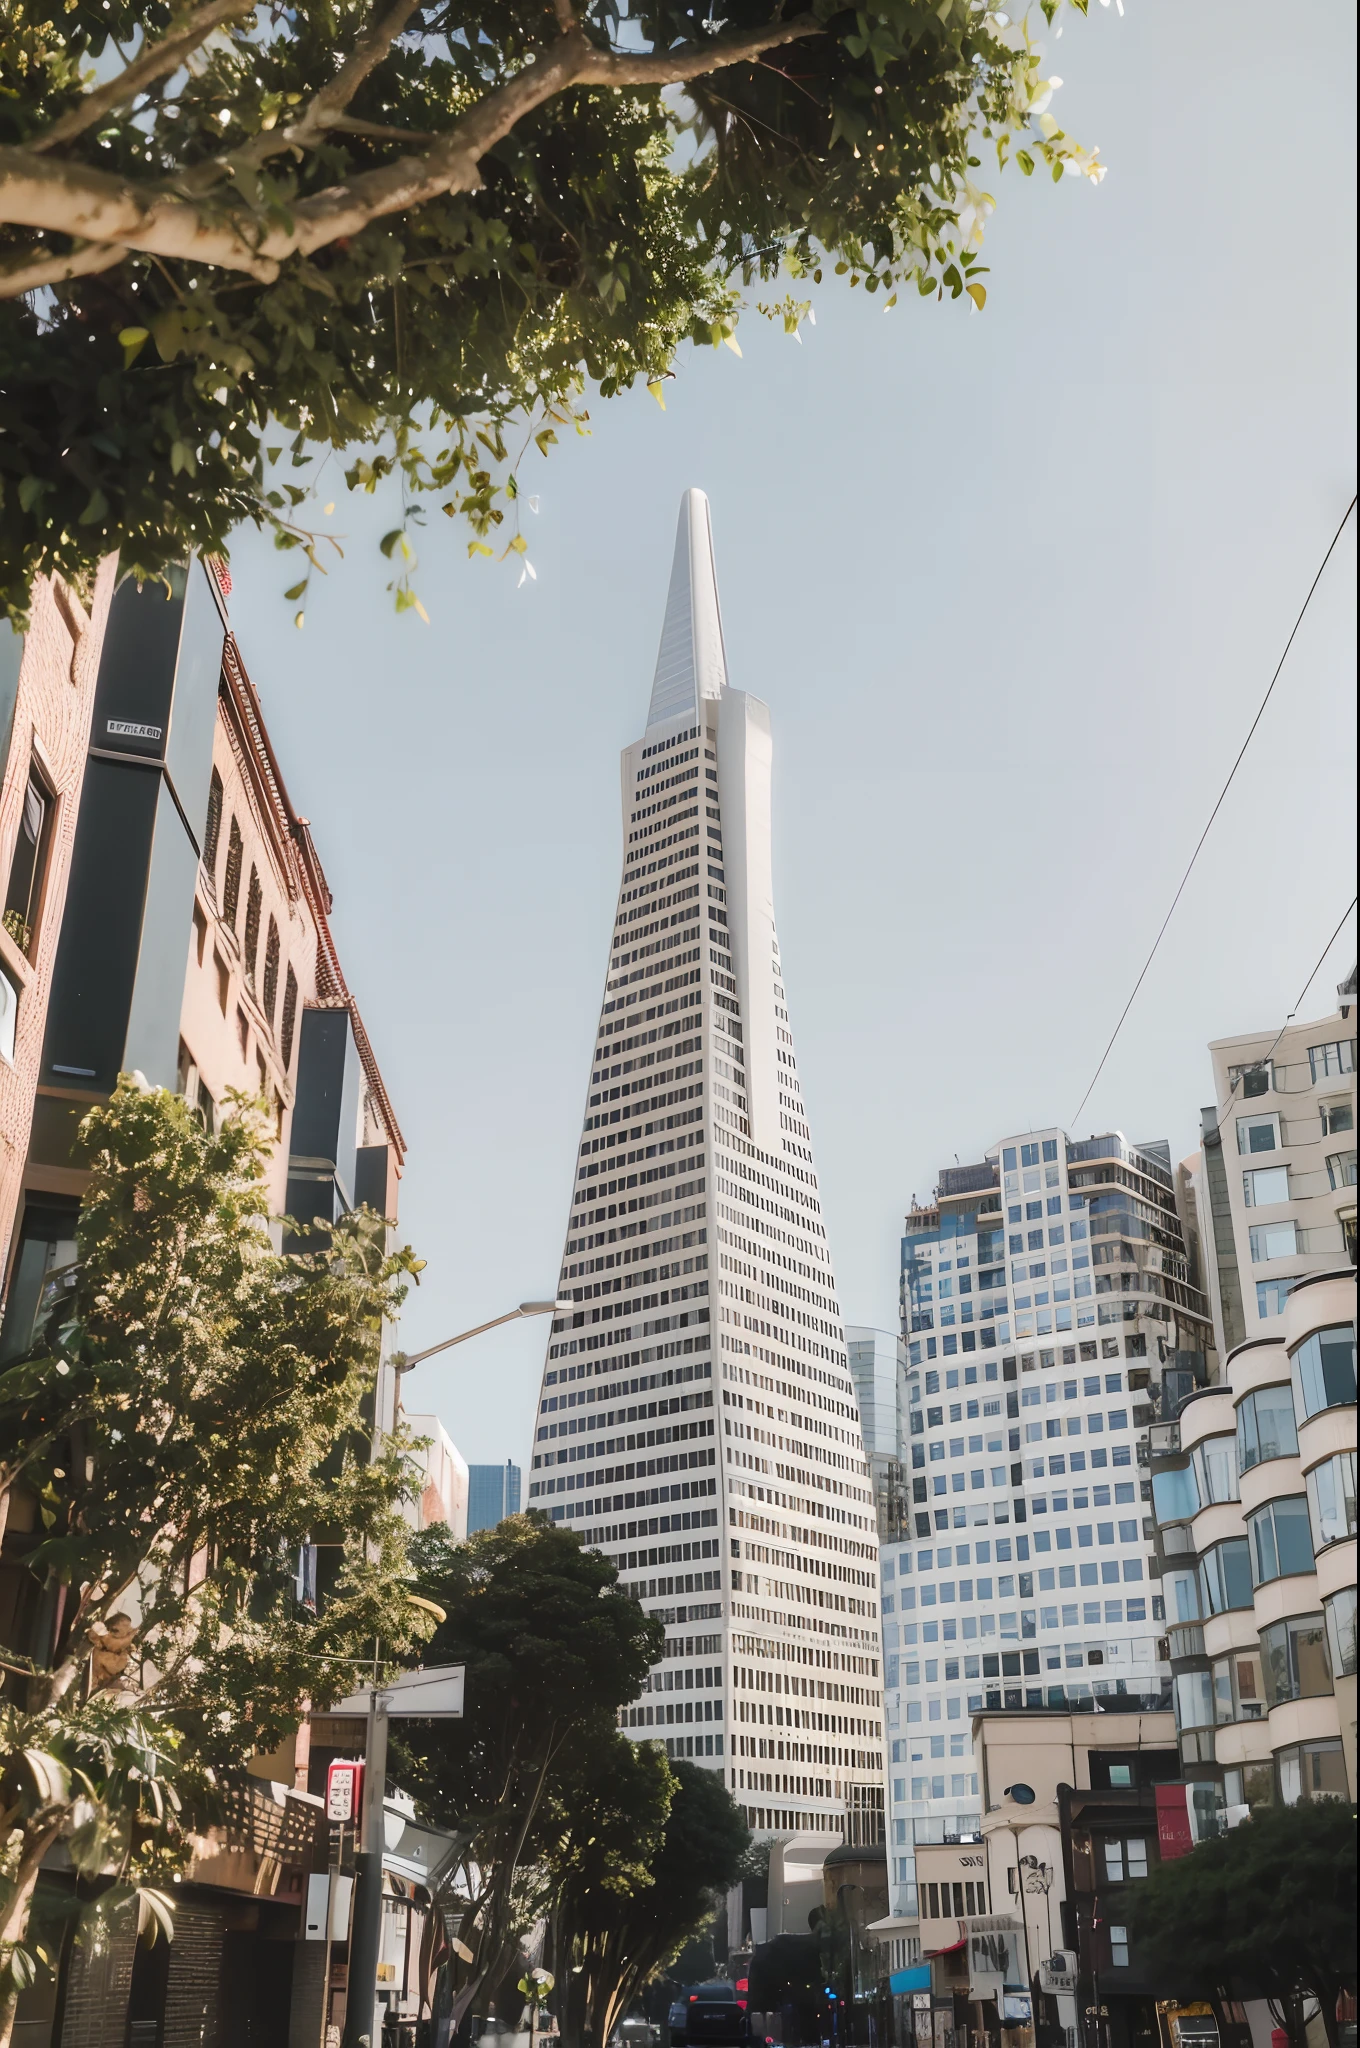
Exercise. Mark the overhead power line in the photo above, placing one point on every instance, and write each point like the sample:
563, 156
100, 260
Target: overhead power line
1180, 890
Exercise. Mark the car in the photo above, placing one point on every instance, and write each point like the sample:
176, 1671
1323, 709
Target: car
715, 2012
675, 2021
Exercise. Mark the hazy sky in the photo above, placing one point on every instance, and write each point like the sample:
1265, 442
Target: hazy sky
1012, 584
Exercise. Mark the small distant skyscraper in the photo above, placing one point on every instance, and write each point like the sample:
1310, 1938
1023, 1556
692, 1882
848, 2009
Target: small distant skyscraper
493, 1493
697, 1421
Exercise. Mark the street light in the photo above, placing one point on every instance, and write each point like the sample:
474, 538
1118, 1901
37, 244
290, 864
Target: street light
366, 1909
401, 1362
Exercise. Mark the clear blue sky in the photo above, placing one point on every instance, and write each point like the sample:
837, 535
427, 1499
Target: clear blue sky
1013, 585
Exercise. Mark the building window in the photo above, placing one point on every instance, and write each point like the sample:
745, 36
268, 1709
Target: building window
1324, 1370
1125, 1858
9, 1015
1340, 1613
1225, 1576
1215, 1463
290, 1000
1194, 1696
1280, 1542
1175, 1495
271, 971
223, 981
1239, 1693
1271, 1296
1119, 1948
212, 830
1341, 1169
46, 1244
1336, 1116
231, 883
1263, 1185
1331, 1500
1258, 1134
1294, 1659
200, 932
1265, 1427
28, 864
1312, 1770
1273, 1241
252, 940
1325, 1062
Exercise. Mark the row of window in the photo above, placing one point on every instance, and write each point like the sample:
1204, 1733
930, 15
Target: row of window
1023, 1622
1298, 1658
268, 980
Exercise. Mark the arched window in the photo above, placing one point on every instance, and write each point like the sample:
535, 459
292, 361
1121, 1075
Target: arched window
253, 901
271, 971
231, 882
290, 997
212, 830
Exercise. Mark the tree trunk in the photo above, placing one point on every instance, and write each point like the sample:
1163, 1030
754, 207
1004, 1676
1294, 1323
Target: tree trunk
14, 1925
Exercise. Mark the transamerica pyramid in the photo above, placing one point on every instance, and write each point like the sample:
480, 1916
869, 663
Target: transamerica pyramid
697, 1421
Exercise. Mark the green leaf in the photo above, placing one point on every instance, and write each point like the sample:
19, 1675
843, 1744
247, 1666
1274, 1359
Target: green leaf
1025, 161
298, 590
389, 541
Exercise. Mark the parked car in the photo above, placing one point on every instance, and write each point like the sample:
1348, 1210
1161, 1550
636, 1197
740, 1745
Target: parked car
716, 2013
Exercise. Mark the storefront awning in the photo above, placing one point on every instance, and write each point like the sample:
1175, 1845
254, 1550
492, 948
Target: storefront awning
917, 1979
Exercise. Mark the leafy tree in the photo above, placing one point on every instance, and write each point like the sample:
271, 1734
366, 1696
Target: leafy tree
552, 1651
1265, 1910
604, 1826
190, 1417
620, 1935
424, 228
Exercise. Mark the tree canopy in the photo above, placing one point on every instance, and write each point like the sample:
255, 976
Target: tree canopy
655, 1850
421, 231
552, 1651
1265, 1910
191, 1416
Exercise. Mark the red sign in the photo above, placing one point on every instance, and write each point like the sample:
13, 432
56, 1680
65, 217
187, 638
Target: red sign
1173, 1822
344, 1788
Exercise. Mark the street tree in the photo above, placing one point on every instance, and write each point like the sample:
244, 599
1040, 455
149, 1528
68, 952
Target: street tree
191, 1416
552, 1650
604, 1825
1266, 1910
420, 231
617, 1926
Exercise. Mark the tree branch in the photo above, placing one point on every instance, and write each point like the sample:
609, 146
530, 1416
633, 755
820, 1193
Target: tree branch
101, 207
154, 61
673, 67
28, 269
365, 57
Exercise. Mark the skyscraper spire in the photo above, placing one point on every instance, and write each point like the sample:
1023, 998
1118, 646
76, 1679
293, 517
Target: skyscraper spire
696, 1407
690, 663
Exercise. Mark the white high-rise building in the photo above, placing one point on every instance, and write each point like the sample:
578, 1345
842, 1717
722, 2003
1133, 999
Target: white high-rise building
1047, 1306
697, 1421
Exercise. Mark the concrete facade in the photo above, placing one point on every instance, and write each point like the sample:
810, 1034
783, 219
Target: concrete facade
1255, 1496
1275, 1178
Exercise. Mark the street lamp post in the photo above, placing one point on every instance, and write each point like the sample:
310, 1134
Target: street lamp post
366, 1922
402, 1362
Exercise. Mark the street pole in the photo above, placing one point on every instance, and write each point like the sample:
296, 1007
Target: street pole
365, 1941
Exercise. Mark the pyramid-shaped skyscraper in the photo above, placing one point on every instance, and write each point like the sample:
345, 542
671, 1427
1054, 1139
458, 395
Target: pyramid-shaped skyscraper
697, 1421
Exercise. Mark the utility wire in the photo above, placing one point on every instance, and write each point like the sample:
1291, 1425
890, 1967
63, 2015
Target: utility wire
1212, 815
1264, 1060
